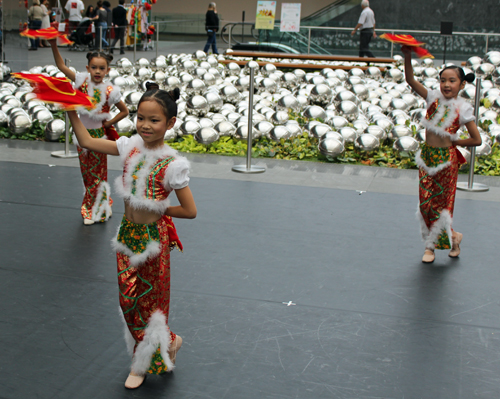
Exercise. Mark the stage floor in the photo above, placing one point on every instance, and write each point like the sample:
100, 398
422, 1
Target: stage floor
291, 285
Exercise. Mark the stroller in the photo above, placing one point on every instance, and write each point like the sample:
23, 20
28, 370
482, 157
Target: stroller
81, 37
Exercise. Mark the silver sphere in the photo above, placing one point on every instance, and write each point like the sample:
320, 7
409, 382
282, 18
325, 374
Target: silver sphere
233, 68
170, 135
338, 122
279, 132
241, 133
43, 116
206, 135
55, 129
225, 128
171, 82
4, 120
395, 75
268, 69
288, 102
484, 70
331, 147
376, 131
230, 94
406, 145
367, 142
319, 130
483, 150
321, 94
197, 106
315, 112
125, 127
361, 91
215, 102
190, 127
420, 136
196, 86
348, 110
349, 134
280, 117
20, 124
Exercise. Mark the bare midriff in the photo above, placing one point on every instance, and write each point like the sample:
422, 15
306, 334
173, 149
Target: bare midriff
140, 216
434, 140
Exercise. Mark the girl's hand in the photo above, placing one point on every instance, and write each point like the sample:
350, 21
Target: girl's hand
107, 124
406, 50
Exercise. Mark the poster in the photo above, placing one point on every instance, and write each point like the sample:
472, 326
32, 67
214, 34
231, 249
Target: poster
290, 17
266, 12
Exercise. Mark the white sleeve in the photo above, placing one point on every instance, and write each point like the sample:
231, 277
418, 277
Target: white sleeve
121, 144
431, 96
177, 175
466, 113
362, 18
115, 96
80, 78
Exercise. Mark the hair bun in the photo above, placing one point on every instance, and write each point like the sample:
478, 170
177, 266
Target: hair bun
470, 77
152, 86
175, 94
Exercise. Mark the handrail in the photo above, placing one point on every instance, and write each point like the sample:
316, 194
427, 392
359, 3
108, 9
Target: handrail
232, 25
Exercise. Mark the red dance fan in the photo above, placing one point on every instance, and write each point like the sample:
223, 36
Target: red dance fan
410, 41
56, 90
47, 33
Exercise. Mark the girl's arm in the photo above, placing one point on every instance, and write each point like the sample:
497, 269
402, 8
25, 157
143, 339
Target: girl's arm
123, 113
187, 207
60, 62
410, 79
86, 141
475, 138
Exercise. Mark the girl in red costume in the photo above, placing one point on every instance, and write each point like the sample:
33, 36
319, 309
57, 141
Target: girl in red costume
96, 204
151, 171
439, 159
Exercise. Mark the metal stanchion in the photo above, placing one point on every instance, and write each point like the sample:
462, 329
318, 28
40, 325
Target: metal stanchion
470, 185
100, 38
249, 168
157, 37
309, 42
135, 41
66, 153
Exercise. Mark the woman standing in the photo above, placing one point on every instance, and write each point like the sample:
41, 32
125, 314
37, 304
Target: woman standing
45, 21
101, 19
35, 15
211, 26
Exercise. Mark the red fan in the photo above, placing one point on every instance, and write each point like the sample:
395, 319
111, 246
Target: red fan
410, 41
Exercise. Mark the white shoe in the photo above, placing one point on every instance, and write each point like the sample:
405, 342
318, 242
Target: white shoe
88, 222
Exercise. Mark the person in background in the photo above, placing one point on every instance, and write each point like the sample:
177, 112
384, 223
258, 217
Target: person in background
211, 26
75, 8
35, 15
45, 20
120, 24
366, 24
101, 21
90, 13
106, 4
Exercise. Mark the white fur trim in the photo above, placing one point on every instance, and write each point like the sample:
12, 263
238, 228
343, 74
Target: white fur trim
443, 223
153, 248
80, 78
431, 171
129, 339
156, 334
96, 113
97, 209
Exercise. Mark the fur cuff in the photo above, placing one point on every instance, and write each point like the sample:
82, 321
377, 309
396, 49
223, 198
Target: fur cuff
105, 207
443, 223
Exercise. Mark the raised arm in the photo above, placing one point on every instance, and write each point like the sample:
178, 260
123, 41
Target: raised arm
86, 141
60, 62
187, 207
410, 79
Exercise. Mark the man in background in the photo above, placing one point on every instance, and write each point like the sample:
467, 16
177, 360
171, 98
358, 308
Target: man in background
120, 23
366, 24
75, 9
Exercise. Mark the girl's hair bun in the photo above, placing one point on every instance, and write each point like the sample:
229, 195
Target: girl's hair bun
469, 78
152, 86
175, 94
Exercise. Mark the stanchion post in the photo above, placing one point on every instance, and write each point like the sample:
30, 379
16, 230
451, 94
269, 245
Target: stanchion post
309, 42
249, 168
470, 185
100, 38
157, 37
135, 40
66, 153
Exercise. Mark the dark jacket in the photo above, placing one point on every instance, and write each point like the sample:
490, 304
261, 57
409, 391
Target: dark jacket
109, 16
120, 16
211, 21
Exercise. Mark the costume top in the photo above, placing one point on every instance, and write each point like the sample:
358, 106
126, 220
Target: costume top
367, 18
149, 176
444, 117
105, 94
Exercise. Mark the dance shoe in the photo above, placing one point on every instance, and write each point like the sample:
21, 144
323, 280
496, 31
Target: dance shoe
455, 248
134, 381
88, 222
428, 256
174, 348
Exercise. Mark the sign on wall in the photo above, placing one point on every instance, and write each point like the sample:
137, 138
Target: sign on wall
266, 12
290, 17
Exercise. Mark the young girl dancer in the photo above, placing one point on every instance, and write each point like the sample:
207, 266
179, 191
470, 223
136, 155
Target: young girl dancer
96, 205
151, 171
438, 159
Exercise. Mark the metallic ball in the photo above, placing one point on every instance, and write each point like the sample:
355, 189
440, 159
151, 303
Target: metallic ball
206, 122
315, 112
43, 116
472, 61
290, 80
279, 132
398, 103
132, 100
190, 127
348, 110
250, 65
345, 95
333, 135
384, 123
214, 100
206, 135
268, 69
338, 122
280, 117
376, 131
319, 130
230, 94
321, 94
159, 76
469, 92
20, 124
269, 85
195, 86
241, 133
430, 72
418, 115
288, 102
4, 120
171, 82
225, 128
331, 147
197, 106
395, 75
200, 55
125, 127
420, 136
242, 83
170, 135
374, 73
55, 129
294, 128
493, 57
366, 142
484, 70
483, 150
120, 81
361, 91
349, 134
406, 145
399, 131
209, 79
144, 74
233, 68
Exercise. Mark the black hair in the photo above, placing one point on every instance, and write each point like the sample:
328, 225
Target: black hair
469, 78
93, 54
121, 2
106, 3
99, 4
166, 99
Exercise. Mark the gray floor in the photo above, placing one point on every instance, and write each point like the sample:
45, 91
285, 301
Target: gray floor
368, 320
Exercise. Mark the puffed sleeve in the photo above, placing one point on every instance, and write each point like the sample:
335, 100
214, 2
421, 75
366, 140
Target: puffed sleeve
466, 113
80, 78
177, 175
431, 96
115, 96
121, 144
